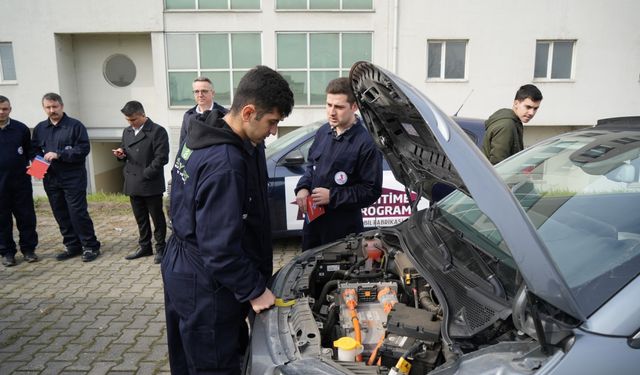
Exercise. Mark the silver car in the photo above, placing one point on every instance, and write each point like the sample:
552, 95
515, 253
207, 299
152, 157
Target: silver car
528, 267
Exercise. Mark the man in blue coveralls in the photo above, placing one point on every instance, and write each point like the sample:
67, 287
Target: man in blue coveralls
63, 141
16, 193
219, 258
344, 173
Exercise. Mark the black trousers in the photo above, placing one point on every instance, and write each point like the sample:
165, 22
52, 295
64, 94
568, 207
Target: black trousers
143, 207
69, 208
16, 200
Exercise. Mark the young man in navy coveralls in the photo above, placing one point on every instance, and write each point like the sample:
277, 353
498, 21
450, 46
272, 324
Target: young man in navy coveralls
63, 141
344, 173
145, 151
219, 258
16, 193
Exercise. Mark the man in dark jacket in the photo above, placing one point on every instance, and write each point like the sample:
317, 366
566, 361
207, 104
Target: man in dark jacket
145, 151
504, 129
203, 92
63, 141
344, 173
16, 193
219, 258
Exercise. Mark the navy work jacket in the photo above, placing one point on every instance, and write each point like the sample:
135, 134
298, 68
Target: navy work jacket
349, 165
219, 210
69, 139
15, 153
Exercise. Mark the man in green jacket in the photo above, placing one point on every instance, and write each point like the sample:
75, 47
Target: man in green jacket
503, 136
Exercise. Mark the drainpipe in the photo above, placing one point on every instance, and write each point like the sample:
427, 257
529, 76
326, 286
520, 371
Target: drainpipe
394, 46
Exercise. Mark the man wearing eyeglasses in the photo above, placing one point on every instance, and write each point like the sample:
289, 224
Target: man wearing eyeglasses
203, 93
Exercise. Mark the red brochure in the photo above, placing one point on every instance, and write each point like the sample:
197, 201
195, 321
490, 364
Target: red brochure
38, 167
313, 211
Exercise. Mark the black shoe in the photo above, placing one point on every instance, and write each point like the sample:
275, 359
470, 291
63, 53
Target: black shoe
9, 261
90, 254
30, 257
139, 254
67, 254
158, 258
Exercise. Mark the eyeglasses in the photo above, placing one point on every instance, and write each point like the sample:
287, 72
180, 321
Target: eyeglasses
201, 92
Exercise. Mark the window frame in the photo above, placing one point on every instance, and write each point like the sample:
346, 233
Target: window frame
198, 9
339, 9
443, 61
551, 43
199, 71
4, 81
342, 71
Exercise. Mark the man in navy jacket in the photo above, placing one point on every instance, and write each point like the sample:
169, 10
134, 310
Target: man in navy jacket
344, 173
145, 151
219, 258
16, 193
203, 92
63, 141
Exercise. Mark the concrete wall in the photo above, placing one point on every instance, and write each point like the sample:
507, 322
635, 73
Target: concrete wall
501, 55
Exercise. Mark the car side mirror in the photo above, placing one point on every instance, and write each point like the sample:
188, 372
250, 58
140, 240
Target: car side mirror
293, 159
634, 341
624, 173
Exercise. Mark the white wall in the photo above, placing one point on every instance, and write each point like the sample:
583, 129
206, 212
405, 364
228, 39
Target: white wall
501, 52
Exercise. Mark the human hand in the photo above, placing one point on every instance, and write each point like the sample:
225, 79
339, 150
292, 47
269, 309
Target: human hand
119, 153
320, 196
301, 199
50, 156
263, 302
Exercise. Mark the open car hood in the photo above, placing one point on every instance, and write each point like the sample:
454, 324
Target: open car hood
424, 146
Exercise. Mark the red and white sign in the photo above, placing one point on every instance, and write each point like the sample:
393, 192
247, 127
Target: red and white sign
390, 209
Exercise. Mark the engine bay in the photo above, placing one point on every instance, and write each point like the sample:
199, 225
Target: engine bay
367, 290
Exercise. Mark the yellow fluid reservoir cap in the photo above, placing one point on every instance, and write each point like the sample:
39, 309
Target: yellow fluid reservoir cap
346, 343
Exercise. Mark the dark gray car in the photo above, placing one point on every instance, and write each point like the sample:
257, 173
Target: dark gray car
529, 267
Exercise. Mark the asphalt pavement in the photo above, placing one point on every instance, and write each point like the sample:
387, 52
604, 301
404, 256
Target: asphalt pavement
101, 317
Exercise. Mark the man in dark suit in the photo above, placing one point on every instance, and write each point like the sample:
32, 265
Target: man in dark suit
145, 150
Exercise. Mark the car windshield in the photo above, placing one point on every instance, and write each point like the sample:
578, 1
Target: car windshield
283, 143
582, 192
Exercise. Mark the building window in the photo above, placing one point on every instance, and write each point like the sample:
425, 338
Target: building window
308, 61
554, 59
119, 70
212, 4
446, 59
324, 4
223, 57
7, 65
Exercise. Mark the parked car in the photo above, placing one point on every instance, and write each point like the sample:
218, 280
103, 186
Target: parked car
287, 160
528, 267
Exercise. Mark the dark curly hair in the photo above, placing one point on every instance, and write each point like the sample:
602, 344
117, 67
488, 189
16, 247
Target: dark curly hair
266, 89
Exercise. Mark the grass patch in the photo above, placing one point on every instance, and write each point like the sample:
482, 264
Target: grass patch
107, 198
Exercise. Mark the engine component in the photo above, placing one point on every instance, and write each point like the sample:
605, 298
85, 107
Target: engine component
417, 323
370, 312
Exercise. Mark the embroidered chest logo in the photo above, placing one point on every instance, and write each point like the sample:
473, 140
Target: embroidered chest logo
181, 163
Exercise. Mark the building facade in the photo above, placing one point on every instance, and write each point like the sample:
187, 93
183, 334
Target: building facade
468, 57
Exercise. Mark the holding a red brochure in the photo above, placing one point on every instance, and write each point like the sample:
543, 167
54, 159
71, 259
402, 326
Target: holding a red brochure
38, 167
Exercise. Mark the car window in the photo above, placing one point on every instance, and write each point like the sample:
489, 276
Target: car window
290, 139
581, 191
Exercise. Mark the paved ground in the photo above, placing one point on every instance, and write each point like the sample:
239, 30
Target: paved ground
102, 317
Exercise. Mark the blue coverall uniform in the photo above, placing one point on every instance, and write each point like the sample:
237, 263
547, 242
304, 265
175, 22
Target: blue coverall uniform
66, 180
16, 193
219, 256
350, 166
